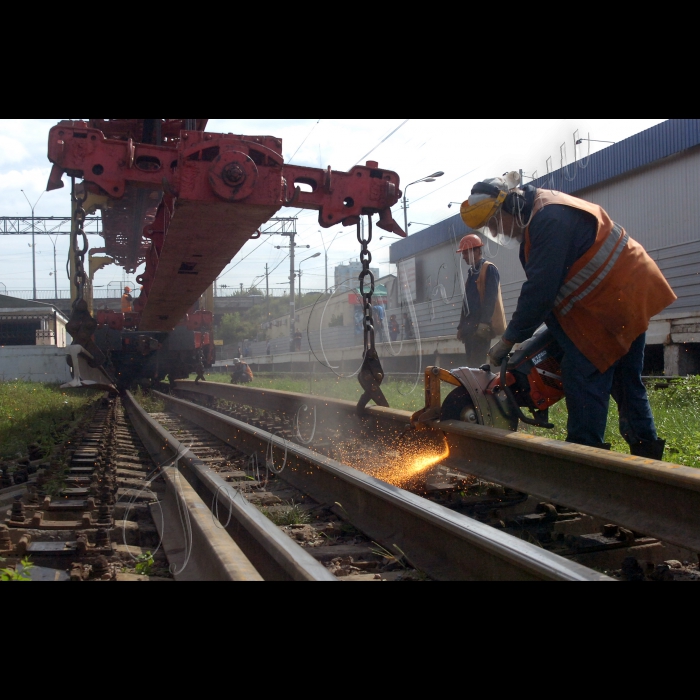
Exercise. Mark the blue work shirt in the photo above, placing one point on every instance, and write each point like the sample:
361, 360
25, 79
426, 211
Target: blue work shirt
559, 236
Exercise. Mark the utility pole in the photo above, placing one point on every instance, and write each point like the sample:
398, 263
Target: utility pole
292, 281
267, 289
292, 300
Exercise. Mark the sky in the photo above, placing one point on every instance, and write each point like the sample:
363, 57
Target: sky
466, 150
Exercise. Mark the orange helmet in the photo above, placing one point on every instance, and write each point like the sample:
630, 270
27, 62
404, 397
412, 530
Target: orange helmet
469, 242
127, 289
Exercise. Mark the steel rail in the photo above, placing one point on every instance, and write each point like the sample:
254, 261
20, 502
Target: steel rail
443, 544
657, 499
253, 547
197, 550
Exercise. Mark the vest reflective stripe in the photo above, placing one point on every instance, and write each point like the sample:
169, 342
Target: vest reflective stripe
610, 254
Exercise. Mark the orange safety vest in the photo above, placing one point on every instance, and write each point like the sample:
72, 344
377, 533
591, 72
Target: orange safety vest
127, 307
611, 292
498, 322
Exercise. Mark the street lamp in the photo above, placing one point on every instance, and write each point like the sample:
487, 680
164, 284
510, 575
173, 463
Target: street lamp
429, 178
417, 223
54, 241
33, 245
580, 141
315, 255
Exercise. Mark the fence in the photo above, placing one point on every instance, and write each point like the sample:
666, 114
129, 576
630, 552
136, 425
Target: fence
103, 293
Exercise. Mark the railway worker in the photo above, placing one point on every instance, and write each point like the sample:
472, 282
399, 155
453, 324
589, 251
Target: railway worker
408, 332
379, 316
242, 374
394, 329
594, 287
127, 301
483, 317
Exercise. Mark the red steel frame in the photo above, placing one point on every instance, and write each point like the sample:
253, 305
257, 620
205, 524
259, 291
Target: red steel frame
191, 186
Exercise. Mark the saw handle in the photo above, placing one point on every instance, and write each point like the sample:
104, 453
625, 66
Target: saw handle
514, 404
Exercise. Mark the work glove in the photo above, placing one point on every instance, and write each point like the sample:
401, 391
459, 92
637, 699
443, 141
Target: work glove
484, 331
500, 351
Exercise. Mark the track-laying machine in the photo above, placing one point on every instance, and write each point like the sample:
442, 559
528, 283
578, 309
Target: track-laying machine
184, 202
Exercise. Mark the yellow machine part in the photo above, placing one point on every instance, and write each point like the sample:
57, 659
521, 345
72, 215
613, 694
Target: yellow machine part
434, 376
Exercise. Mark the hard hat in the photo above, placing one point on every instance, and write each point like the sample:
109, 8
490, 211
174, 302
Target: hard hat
236, 361
127, 289
469, 242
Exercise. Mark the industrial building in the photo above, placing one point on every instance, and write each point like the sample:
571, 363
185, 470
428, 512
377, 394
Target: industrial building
33, 339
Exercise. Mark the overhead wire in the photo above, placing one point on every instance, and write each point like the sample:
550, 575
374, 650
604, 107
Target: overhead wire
384, 140
313, 128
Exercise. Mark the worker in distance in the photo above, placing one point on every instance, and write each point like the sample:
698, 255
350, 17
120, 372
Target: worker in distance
483, 317
127, 301
595, 288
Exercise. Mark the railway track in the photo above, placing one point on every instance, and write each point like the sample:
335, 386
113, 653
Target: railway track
188, 495
633, 518
238, 484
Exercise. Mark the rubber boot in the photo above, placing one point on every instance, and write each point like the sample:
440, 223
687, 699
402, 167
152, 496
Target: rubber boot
649, 450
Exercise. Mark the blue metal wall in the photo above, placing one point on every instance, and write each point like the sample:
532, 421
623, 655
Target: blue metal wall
639, 151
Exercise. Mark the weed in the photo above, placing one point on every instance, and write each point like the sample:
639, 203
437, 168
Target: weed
21, 573
389, 556
148, 402
293, 514
145, 564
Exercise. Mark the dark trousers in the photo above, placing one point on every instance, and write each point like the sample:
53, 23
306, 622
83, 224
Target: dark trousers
588, 394
477, 350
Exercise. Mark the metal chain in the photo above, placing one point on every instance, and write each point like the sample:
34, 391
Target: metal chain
79, 218
371, 374
366, 260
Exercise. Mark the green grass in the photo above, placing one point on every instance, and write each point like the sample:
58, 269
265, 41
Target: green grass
148, 402
293, 514
37, 413
676, 410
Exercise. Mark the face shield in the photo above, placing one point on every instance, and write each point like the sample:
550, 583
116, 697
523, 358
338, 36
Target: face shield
484, 214
507, 236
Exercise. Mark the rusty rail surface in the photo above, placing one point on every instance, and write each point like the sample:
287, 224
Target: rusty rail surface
658, 499
249, 548
443, 544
